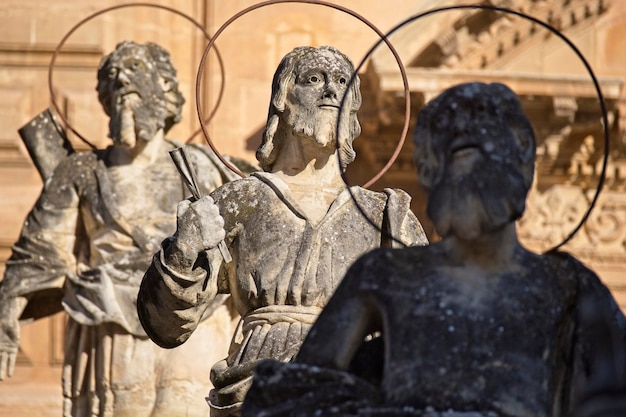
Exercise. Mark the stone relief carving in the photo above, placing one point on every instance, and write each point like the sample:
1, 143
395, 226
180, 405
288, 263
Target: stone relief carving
90, 237
474, 325
292, 230
553, 214
607, 224
482, 38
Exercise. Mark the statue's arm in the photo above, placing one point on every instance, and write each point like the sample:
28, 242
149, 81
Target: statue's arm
40, 260
599, 363
44, 252
172, 300
182, 279
343, 325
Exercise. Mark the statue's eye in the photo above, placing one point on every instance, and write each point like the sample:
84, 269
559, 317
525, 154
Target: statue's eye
112, 73
342, 80
314, 79
135, 65
442, 122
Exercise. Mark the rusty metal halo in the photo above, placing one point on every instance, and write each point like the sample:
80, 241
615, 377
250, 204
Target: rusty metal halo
577, 52
109, 9
350, 12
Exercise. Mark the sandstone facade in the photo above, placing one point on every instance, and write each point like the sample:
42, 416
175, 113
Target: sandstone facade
439, 50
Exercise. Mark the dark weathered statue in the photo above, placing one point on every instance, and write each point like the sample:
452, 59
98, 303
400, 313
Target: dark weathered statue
474, 325
89, 239
292, 230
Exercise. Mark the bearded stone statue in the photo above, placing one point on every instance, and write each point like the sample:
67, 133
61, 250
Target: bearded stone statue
474, 325
90, 237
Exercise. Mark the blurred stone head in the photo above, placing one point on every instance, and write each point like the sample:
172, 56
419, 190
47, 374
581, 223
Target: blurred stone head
475, 151
138, 89
307, 91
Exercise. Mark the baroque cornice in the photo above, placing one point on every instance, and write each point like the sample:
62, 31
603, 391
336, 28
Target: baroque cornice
487, 39
483, 39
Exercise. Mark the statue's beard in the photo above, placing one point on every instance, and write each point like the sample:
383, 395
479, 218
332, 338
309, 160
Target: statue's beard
136, 119
482, 201
318, 124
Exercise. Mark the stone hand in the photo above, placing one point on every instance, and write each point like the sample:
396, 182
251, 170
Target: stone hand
199, 225
9, 343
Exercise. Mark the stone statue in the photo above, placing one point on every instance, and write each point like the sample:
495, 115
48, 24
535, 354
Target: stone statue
473, 325
292, 230
89, 239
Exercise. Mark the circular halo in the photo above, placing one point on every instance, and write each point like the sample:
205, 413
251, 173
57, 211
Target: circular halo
106, 10
407, 96
573, 47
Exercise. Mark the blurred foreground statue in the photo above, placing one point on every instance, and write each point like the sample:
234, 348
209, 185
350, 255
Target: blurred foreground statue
471, 326
89, 239
292, 230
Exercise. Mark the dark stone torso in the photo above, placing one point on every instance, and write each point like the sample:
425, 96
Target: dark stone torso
473, 341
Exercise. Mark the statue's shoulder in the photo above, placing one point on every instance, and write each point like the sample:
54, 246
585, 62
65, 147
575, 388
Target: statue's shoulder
241, 187
570, 273
396, 197
78, 164
365, 193
565, 263
369, 199
398, 192
204, 156
386, 264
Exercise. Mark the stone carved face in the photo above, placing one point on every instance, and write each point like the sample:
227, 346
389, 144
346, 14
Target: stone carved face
307, 90
138, 92
475, 154
313, 101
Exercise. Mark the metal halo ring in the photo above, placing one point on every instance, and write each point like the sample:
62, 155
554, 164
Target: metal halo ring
106, 10
579, 54
352, 13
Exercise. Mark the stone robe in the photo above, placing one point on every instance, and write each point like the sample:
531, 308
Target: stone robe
544, 340
84, 248
284, 269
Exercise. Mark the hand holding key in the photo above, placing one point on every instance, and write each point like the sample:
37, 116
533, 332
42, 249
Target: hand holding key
208, 208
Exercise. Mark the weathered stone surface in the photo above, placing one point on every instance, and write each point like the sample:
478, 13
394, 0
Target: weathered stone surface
88, 240
292, 230
475, 324
46, 142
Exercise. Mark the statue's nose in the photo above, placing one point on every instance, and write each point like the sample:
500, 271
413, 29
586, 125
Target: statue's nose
460, 127
123, 78
330, 91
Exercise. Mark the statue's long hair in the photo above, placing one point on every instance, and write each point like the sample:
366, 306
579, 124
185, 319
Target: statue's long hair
284, 77
163, 62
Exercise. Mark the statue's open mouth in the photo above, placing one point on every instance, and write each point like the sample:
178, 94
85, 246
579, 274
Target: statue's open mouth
463, 149
127, 97
329, 106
